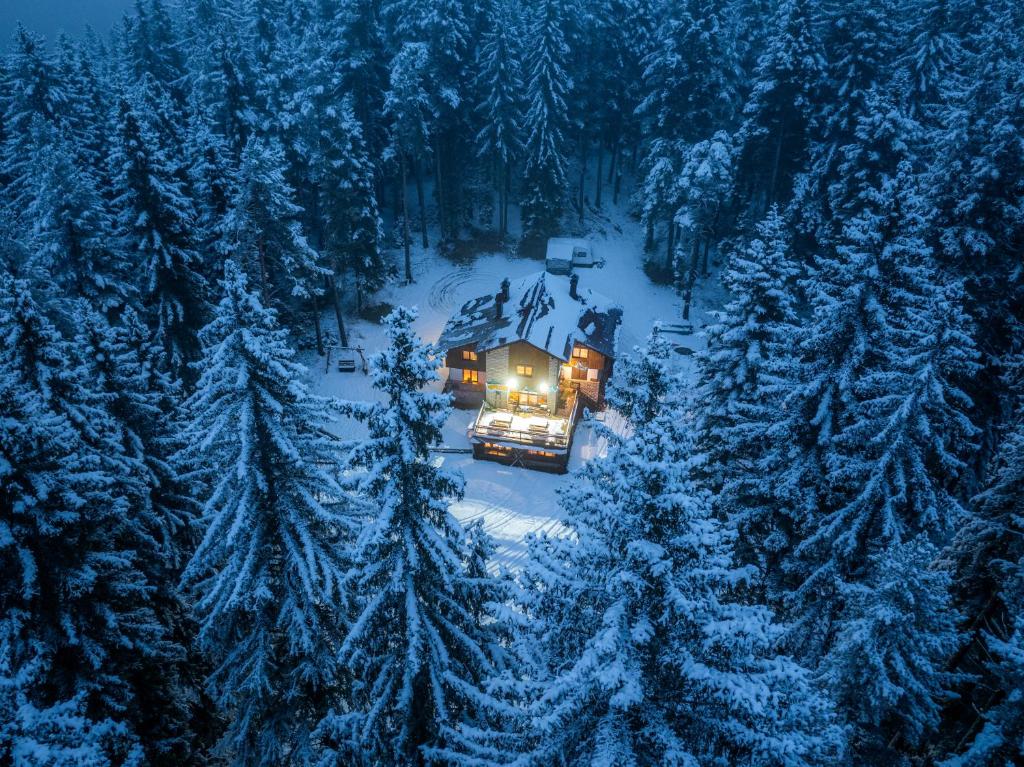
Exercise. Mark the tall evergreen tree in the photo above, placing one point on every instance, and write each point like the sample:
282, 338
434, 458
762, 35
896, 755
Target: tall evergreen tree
775, 135
500, 80
353, 224
263, 231
892, 648
31, 89
545, 124
267, 578
743, 374
882, 424
75, 615
418, 646
156, 218
649, 651
73, 228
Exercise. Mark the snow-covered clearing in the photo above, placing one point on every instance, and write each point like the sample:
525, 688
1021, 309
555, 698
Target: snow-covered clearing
514, 501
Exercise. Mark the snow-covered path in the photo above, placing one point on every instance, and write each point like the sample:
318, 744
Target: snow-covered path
514, 501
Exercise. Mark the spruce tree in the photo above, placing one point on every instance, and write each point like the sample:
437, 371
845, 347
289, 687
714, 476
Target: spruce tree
263, 232
407, 103
418, 645
499, 140
156, 217
545, 125
76, 621
267, 577
352, 221
73, 228
880, 427
649, 650
775, 134
892, 647
743, 374
31, 90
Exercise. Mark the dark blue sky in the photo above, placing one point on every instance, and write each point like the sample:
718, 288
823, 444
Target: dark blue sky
51, 16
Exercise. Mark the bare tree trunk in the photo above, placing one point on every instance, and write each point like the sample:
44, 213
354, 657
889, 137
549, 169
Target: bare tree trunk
332, 290
614, 160
649, 240
671, 243
316, 326
775, 168
442, 208
422, 204
405, 222
583, 172
691, 277
263, 269
704, 268
508, 194
600, 174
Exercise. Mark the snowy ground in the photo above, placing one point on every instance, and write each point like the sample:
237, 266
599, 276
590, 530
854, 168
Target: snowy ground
515, 501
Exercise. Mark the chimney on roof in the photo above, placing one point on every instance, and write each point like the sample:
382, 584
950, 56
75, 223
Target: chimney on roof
499, 305
574, 280
504, 289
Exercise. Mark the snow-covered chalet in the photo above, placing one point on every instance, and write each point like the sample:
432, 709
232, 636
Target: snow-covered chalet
531, 356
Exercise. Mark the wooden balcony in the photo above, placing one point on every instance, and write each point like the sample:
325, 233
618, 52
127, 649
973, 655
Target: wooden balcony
529, 427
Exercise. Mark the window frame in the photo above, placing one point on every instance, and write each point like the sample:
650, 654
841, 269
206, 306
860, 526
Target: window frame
521, 371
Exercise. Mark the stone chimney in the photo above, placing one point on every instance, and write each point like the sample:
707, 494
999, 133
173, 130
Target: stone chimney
574, 281
504, 289
499, 305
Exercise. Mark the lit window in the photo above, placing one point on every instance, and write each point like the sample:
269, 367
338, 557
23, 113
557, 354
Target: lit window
580, 353
470, 376
524, 370
468, 355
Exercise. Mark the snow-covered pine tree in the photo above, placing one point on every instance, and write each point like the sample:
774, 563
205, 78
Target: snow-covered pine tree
892, 648
500, 81
31, 88
213, 185
76, 625
417, 646
352, 223
774, 137
649, 650
882, 426
742, 377
156, 217
142, 402
545, 124
1000, 741
977, 184
690, 93
690, 75
267, 577
152, 46
642, 381
441, 26
73, 232
407, 104
859, 53
263, 231
932, 61
704, 185
990, 556
883, 137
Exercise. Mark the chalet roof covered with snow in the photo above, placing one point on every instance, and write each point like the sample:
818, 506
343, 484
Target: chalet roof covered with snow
540, 311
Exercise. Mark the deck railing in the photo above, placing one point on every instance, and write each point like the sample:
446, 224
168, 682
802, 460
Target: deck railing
523, 437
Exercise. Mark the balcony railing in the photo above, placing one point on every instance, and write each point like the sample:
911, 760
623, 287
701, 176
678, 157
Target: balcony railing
508, 425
